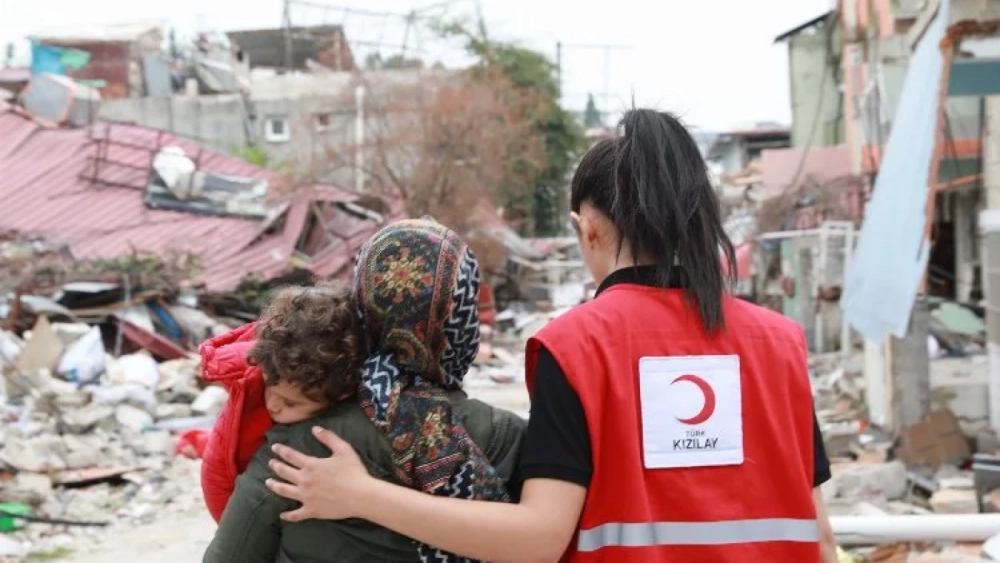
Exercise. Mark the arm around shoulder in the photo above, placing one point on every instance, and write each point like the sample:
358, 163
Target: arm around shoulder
556, 465
538, 530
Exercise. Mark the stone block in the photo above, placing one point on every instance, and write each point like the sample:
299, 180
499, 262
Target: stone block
860, 481
955, 501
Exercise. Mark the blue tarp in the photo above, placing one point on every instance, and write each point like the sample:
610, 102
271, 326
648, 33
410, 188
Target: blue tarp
892, 253
46, 59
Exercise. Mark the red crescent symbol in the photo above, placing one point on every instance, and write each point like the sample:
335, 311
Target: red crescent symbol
709, 409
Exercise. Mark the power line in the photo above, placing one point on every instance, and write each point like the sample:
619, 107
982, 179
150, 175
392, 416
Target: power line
345, 9
407, 25
607, 48
830, 68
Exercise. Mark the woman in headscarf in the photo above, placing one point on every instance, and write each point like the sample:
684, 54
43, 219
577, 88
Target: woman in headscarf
417, 290
670, 421
417, 284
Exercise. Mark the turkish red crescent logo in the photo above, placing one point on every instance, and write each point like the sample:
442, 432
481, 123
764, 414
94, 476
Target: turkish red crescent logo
706, 411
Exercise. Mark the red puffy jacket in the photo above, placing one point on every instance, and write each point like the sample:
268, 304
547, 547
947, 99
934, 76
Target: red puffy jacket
239, 431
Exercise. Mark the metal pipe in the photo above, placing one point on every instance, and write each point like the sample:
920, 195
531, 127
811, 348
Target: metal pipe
845, 327
872, 530
359, 139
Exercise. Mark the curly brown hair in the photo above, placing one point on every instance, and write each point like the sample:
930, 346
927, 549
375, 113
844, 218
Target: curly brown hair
312, 337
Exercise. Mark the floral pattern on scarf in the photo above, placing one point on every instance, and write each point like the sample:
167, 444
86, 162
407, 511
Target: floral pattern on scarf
417, 285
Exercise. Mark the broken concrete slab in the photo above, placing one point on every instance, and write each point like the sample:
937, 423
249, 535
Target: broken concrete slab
87, 418
156, 442
861, 481
32, 483
133, 418
210, 401
955, 501
172, 410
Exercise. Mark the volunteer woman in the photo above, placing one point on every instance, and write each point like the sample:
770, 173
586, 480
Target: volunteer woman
669, 421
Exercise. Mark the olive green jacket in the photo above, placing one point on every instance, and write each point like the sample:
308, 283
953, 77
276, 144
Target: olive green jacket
251, 531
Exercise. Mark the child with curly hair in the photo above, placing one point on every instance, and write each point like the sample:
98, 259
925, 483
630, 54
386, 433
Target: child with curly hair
301, 357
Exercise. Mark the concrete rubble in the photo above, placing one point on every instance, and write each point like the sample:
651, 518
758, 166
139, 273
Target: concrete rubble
100, 392
93, 455
98, 381
930, 495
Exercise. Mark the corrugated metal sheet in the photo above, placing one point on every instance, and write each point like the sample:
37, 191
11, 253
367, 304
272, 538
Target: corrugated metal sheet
15, 74
892, 253
45, 189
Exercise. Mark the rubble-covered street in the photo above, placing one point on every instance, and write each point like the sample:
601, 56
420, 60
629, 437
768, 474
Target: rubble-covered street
99, 450
111, 459
159, 181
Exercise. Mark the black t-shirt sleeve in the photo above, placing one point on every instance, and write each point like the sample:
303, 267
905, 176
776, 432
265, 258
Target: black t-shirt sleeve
557, 442
821, 463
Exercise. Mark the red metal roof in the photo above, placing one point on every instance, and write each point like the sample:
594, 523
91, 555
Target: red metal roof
15, 74
46, 189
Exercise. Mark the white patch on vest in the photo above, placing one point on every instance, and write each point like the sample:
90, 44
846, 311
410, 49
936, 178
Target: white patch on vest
692, 411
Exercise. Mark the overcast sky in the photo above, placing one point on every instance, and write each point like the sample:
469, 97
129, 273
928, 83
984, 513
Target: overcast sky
712, 61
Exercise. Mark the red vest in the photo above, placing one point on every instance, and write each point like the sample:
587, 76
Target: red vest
752, 501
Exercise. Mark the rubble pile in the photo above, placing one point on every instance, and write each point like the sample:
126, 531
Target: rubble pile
98, 386
89, 439
956, 330
921, 497
103, 412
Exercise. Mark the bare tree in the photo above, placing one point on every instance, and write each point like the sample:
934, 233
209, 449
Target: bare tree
445, 144
830, 200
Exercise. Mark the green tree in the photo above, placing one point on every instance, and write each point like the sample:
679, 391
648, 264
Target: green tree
591, 115
252, 154
374, 61
541, 210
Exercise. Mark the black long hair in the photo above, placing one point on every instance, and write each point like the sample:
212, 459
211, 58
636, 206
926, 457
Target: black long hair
653, 184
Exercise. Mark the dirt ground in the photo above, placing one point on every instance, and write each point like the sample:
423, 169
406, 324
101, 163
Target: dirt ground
182, 537
179, 539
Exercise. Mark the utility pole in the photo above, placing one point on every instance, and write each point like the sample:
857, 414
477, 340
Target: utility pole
359, 138
605, 48
287, 24
559, 66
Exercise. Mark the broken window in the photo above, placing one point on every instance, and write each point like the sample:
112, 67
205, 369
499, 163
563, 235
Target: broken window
324, 121
276, 129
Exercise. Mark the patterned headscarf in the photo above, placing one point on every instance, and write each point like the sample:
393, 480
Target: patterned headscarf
417, 286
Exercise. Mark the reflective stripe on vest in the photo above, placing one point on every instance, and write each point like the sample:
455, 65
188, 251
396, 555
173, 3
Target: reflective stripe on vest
697, 533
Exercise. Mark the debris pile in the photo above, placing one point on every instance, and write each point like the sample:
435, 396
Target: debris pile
98, 385
930, 495
957, 330
103, 412
88, 439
